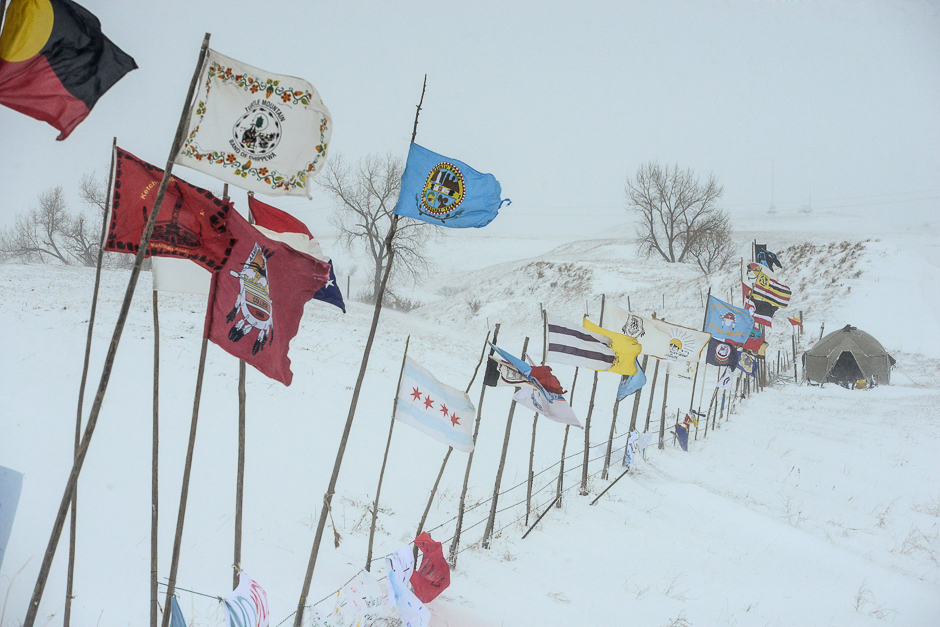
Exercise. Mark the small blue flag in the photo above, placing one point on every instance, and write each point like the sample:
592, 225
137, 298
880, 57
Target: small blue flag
446, 192
631, 383
727, 322
682, 433
330, 293
176, 615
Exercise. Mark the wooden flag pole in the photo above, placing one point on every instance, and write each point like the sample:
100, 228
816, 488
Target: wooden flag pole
92, 422
337, 464
612, 484
636, 401
704, 322
388, 445
154, 468
452, 558
610, 439
450, 449
701, 393
81, 388
587, 420
184, 490
240, 469
662, 419
711, 404
491, 520
649, 408
793, 342
530, 478
564, 446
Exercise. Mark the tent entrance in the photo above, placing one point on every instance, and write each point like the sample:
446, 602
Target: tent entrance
845, 369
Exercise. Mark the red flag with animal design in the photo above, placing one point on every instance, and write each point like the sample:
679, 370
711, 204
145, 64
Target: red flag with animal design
257, 299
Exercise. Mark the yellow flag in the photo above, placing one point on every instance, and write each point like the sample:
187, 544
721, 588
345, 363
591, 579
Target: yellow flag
625, 348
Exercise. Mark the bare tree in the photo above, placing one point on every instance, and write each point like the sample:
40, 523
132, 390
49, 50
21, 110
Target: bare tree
365, 197
37, 234
83, 234
714, 248
674, 207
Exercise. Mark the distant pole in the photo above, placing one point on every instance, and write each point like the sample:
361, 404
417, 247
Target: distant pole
564, 446
711, 404
610, 438
348, 292
793, 341
388, 445
701, 393
491, 521
530, 478
92, 421
649, 408
628, 304
587, 420
341, 450
452, 558
73, 522
822, 328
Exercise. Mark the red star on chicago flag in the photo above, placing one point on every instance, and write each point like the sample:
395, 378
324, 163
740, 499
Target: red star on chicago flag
454, 421
416, 395
428, 403
444, 409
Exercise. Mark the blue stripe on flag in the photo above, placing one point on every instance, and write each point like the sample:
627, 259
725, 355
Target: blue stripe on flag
431, 384
433, 423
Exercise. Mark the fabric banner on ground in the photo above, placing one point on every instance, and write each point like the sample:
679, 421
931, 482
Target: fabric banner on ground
359, 603
439, 410
260, 131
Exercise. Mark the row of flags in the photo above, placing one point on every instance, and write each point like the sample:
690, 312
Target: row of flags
361, 601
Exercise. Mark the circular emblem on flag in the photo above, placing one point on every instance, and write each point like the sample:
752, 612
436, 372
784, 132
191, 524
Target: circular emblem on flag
722, 352
443, 189
258, 131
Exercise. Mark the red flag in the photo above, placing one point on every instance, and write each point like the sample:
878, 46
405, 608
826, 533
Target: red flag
433, 577
55, 62
796, 322
257, 299
191, 224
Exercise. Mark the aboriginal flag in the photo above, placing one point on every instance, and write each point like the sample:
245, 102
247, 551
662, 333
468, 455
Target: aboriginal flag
55, 62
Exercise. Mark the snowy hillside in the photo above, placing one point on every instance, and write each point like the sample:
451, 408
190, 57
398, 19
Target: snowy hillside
809, 506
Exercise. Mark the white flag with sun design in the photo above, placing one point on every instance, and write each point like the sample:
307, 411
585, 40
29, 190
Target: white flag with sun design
660, 339
443, 412
263, 132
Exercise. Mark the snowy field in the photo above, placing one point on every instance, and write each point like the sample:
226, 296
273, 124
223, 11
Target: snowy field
809, 506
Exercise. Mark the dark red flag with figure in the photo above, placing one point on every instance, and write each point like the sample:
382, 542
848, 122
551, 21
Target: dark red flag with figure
191, 224
257, 299
433, 577
55, 62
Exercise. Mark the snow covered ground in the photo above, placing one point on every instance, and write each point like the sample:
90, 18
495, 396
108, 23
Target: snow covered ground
810, 506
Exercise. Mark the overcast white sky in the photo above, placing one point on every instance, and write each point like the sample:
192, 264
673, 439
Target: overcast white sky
561, 101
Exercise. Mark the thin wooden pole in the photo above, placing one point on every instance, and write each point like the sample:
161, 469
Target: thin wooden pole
793, 342
530, 478
587, 420
662, 420
542, 515
649, 408
610, 438
184, 490
636, 401
612, 484
388, 445
92, 422
340, 452
708, 412
564, 446
73, 521
701, 393
491, 520
154, 468
440, 473
452, 558
240, 472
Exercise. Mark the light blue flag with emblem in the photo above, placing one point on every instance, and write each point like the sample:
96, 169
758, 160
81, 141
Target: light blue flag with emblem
446, 192
631, 383
727, 322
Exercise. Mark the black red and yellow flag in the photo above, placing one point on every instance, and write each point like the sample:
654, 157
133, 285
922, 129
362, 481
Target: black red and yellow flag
55, 62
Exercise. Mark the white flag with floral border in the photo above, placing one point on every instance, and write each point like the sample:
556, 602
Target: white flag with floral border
263, 132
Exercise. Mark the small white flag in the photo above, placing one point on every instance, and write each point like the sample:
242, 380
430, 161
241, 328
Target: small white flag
399, 566
555, 408
247, 605
444, 413
263, 132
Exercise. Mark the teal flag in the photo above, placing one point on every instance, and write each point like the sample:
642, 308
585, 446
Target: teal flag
446, 192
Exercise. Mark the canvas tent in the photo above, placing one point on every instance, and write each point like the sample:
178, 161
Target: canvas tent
848, 355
